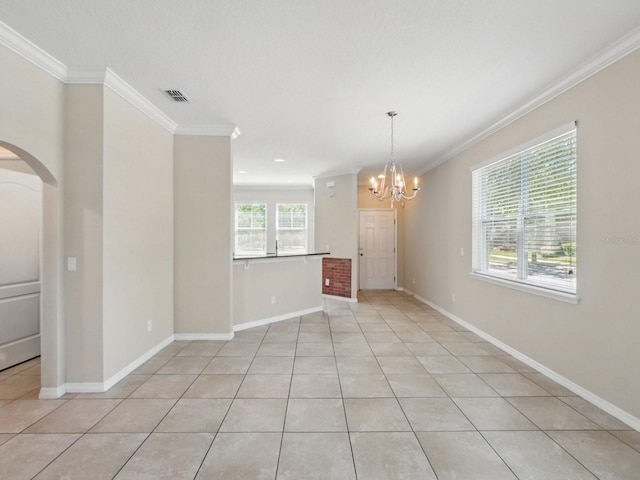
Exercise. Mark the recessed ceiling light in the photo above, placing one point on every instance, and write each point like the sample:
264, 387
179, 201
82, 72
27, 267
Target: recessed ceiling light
381, 176
279, 160
242, 171
289, 181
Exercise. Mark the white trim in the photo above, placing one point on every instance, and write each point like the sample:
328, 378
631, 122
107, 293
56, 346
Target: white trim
209, 130
100, 387
52, 393
342, 299
126, 91
31, 52
277, 318
525, 287
337, 173
598, 401
277, 187
203, 336
107, 384
597, 63
85, 387
86, 76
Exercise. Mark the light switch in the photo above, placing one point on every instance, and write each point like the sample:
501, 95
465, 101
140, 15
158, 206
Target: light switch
71, 264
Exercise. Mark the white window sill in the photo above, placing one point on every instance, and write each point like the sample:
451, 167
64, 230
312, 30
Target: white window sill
544, 292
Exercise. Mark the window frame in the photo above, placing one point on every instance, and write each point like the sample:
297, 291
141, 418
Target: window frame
480, 245
237, 229
278, 229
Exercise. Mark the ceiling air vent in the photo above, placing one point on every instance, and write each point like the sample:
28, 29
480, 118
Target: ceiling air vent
177, 96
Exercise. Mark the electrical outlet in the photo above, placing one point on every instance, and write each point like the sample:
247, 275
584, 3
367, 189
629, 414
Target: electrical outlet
326, 282
413, 281
273, 300
453, 297
462, 251
149, 325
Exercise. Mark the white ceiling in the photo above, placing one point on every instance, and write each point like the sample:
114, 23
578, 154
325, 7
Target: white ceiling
310, 81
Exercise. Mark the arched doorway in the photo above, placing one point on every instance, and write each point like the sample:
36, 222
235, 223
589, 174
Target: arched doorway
51, 316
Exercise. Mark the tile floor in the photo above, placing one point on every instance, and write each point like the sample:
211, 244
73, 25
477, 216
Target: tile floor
386, 388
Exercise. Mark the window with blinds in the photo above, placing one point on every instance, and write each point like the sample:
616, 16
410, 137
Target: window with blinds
251, 229
291, 228
524, 213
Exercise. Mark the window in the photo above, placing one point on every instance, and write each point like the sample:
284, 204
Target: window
524, 214
251, 229
291, 228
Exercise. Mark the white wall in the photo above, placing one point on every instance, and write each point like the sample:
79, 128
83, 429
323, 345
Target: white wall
203, 235
337, 220
271, 196
595, 343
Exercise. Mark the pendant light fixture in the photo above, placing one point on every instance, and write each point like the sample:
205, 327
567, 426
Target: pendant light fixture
391, 183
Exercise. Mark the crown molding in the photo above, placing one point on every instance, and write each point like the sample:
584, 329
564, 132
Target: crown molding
126, 91
31, 52
337, 173
597, 63
274, 187
86, 75
209, 130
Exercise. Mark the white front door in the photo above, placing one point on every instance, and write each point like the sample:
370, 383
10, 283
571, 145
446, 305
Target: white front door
377, 249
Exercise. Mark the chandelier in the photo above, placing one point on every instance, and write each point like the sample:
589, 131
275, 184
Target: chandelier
391, 182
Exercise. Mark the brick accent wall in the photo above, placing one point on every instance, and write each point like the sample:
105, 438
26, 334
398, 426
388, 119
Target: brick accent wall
338, 271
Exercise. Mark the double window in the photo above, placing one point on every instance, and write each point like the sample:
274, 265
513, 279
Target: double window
254, 236
524, 214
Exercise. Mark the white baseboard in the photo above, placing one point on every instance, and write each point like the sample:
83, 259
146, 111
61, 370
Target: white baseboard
600, 402
277, 318
99, 387
107, 384
203, 336
341, 299
52, 393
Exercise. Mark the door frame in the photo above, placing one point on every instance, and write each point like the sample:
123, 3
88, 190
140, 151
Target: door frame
395, 243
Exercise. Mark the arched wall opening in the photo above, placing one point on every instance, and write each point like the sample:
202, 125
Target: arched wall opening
51, 306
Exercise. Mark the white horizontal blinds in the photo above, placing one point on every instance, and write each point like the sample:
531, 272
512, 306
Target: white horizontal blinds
251, 229
525, 215
291, 227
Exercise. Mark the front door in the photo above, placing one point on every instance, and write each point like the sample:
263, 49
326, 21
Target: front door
377, 249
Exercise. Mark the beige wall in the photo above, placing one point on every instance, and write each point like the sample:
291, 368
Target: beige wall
203, 235
296, 285
32, 126
366, 200
138, 233
84, 233
337, 220
593, 344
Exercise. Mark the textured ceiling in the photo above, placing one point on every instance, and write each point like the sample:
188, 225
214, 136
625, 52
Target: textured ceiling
310, 81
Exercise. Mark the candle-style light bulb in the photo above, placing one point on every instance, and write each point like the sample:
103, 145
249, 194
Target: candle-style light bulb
415, 183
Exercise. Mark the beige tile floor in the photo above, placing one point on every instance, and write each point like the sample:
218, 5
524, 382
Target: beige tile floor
386, 388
